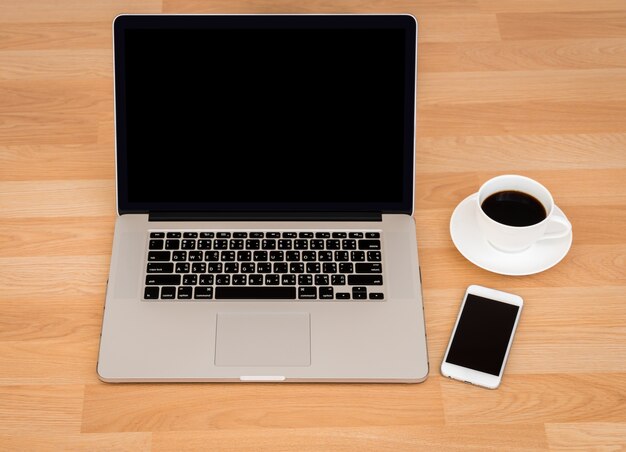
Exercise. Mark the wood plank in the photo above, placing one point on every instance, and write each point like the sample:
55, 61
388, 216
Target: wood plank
56, 64
541, 6
585, 436
414, 437
563, 24
188, 407
130, 442
55, 35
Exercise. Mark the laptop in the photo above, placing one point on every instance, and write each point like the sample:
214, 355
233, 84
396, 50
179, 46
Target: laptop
265, 180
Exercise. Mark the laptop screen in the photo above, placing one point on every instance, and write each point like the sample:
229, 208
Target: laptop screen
265, 113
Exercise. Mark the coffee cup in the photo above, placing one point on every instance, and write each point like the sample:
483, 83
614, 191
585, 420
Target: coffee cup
515, 211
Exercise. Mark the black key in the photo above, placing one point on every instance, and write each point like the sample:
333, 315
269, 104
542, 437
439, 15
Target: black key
292, 256
339, 235
338, 280
255, 280
326, 293
162, 280
223, 235
157, 267
346, 267
212, 256
231, 267
222, 280
325, 256
313, 267
359, 293
173, 235
329, 267
372, 235
168, 293
306, 235
272, 280
342, 256
157, 235
215, 267
342, 296
322, 235
301, 244
268, 244
264, 267
357, 256
190, 280
198, 267
281, 267
253, 244
333, 244
377, 296
296, 267
260, 256
159, 256
195, 256
317, 244
240, 235
190, 235
207, 235
256, 293
172, 244
348, 244
277, 256
369, 244
307, 293
247, 267
227, 256
289, 235
200, 293
365, 280
204, 244
220, 244
244, 256
272, 235
374, 256
321, 280
284, 244
355, 235
184, 293
256, 235
179, 256
240, 280
305, 280
236, 244
309, 256
288, 280
155, 245
206, 280
182, 267
375, 267
151, 293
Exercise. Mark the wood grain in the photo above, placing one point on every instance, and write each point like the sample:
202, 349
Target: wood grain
533, 87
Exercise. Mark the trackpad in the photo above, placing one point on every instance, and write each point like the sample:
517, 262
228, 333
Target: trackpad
268, 339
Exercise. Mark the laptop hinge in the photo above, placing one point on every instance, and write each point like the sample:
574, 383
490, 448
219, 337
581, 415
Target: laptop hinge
265, 216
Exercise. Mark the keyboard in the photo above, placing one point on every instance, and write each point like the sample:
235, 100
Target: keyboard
264, 265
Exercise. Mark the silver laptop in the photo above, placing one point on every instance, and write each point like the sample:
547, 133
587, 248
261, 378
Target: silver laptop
265, 178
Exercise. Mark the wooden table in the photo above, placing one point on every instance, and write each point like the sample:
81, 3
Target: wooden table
536, 87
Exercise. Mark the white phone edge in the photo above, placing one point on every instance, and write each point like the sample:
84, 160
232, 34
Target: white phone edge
472, 376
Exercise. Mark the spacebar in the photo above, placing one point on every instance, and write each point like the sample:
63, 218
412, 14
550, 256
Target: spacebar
260, 293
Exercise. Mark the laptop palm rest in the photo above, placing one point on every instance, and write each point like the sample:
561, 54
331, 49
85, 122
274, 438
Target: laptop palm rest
263, 339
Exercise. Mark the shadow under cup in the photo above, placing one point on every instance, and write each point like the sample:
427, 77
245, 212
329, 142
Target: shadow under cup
514, 212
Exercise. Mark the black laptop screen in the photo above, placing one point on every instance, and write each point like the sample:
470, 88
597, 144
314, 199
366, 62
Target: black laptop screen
273, 113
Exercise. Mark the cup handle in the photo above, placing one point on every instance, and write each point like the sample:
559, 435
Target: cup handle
556, 218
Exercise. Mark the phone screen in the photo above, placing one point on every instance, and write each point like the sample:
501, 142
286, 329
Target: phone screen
482, 334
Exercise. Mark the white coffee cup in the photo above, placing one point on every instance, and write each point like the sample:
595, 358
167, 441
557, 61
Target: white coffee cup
514, 239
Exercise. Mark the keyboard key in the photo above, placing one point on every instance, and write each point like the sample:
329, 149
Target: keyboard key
240, 235
240, 280
244, 256
173, 235
190, 235
290, 235
200, 293
264, 267
157, 256
206, 280
339, 235
182, 267
277, 256
231, 267
372, 235
198, 267
288, 280
158, 267
162, 280
168, 293
374, 267
281, 267
179, 256
329, 267
259, 256
223, 235
313, 267
256, 235
184, 292
253, 244
255, 293
333, 244
365, 280
157, 235
204, 244
305, 235
346, 267
355, 235
222, 280
255, 280
268, 244
301, 244
321, 280
305, 280
357, 256
272, 280
155, 245
317, 244
342, 256
220, 244
227, 256
338, 280
296, 267
359, 293
151, 293
172, 244
307, 293
207, 235
376, 296
212, 256
272, 235
342, 296
374, 256
195, 256
284, 244
236, 244
309, 256
214, 267
325, 256
190, 280
369, 244
348, 244
248, 267
326, 293
292, 256
322, 235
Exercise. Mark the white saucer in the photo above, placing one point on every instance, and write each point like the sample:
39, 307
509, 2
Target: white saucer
471, 243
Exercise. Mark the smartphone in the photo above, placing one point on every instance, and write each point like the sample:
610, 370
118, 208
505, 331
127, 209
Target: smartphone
482, 336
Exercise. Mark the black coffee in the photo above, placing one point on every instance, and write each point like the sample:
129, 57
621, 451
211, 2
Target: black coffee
514, 208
